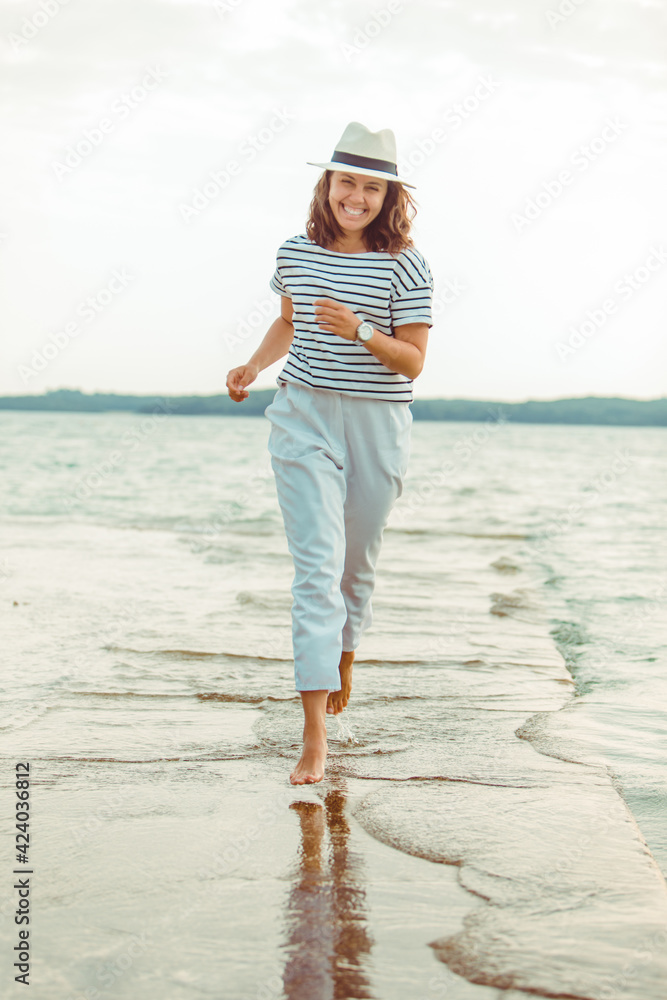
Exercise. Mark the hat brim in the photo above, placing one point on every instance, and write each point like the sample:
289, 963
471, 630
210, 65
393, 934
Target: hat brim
346, 168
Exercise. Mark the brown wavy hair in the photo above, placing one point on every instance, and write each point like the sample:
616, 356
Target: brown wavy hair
388, 231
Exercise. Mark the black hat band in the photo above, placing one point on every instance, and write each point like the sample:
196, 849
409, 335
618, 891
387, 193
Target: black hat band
364, 161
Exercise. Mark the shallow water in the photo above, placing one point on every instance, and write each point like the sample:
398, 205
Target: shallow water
493, 819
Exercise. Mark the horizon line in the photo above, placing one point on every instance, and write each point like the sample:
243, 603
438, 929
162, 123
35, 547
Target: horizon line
200, 395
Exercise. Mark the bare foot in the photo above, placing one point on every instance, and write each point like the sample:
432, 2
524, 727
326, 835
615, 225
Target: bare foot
338, 700
313, 756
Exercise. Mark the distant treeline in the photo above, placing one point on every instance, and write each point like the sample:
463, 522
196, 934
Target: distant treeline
584, 410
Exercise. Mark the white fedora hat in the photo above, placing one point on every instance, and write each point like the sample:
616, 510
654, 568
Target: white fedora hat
364, 152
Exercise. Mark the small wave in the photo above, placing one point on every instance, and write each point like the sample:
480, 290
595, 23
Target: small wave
389, 699
570, 633
434, 532
262, 524
520, 600
586, 883
127, 694
505, 565
194, 654
571, 640
145, 760
222, 696
260, 600
23, 716
535, 730
412, 531
490, 534
387, 662
242, 699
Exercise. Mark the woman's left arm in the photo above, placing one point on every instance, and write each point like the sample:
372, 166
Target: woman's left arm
403, 353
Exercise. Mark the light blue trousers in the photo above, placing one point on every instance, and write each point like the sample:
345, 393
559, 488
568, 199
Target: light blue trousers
339, 463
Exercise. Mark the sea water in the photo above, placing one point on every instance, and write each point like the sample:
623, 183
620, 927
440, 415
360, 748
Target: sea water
507, 723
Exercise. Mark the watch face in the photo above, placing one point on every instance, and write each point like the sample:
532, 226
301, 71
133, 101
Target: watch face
364, 331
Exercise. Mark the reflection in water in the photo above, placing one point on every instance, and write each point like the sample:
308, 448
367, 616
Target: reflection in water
327, 935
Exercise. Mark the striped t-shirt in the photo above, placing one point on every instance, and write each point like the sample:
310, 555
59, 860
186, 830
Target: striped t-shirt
385, 290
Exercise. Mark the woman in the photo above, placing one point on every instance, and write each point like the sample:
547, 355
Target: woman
355, 316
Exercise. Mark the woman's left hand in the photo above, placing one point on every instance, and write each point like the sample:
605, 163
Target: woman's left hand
336, 318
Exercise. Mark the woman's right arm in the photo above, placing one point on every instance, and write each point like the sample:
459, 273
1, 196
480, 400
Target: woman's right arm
275, 346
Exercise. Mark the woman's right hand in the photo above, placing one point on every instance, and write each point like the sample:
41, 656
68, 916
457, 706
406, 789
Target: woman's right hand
238, 379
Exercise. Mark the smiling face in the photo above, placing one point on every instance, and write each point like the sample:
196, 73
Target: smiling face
356, 199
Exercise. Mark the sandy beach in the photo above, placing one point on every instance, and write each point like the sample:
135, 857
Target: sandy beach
172, 867
455, 848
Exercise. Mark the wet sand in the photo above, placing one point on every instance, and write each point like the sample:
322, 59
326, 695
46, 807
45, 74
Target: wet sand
468, 841
247, 892
450, 850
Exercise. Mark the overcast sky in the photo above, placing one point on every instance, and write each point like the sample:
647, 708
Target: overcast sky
535, 132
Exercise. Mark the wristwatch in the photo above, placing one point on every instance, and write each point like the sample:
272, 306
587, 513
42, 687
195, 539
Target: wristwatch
364, 333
